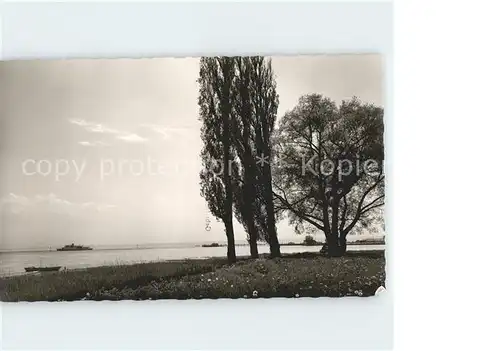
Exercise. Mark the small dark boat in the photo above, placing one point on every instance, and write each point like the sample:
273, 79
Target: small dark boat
42, 269
212, 245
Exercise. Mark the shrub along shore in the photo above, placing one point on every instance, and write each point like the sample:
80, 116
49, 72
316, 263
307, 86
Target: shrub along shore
295, 275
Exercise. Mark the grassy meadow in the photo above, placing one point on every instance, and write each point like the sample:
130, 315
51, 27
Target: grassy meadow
294, 275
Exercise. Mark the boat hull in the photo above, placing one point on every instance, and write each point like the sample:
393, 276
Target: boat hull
74, 248
42, 269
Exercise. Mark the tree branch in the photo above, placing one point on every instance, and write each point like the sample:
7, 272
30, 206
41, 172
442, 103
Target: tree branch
360, 206
299, 214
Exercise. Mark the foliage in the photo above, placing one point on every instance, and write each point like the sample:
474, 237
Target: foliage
215, 83
309, 240
255, 108
238, 105
331, 177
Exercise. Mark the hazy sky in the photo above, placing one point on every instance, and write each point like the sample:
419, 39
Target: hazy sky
104, 152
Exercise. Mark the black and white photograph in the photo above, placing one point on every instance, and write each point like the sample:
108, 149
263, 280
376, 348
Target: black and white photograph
233, 177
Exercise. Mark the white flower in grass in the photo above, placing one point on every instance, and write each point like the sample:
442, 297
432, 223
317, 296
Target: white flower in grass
245, 296
88, 294
255, 293
297, 295
209, 280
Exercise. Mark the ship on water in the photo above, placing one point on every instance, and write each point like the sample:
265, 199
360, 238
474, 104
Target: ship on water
74, 247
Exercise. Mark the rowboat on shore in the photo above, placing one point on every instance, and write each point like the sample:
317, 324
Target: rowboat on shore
42, 269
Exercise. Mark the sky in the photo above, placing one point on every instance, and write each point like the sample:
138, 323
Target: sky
106, 152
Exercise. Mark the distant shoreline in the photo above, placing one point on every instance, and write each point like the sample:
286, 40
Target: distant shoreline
176, 246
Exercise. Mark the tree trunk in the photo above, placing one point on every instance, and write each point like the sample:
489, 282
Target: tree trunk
248, 161
338, 249
331, 242
228, 186
231, 250
331, 247
274, 244
334, 247
254, 250
342, 246
252, 229
228, 209
248, 207
263, 148
252, 236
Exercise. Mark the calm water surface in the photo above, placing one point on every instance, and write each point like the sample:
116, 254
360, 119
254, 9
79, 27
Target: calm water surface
14, 262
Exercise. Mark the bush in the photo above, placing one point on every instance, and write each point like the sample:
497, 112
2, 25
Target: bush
309, 241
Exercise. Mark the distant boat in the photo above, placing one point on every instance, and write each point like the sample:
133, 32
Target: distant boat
42, 269
74, 247
212, 245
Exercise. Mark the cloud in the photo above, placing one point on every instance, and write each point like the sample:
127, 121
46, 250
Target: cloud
132, 138
92, 127
171, 132
13, 198
97, 207
93, 143
17, 204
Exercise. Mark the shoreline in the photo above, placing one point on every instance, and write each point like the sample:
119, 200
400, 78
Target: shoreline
304, 274
375, 252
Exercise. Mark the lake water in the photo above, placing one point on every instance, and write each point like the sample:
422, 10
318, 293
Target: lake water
12, 263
